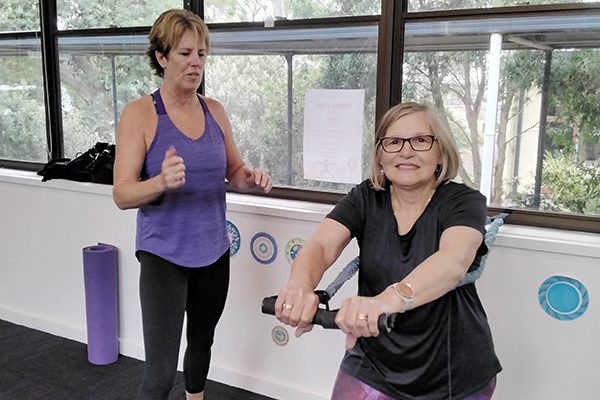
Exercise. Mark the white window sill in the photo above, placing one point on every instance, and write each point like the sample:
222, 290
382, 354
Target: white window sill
235, 202
513, 236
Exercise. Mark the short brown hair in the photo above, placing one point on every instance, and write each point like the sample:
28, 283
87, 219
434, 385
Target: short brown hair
450, 162
167, 31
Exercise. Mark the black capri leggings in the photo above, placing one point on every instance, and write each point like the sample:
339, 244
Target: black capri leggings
167, 292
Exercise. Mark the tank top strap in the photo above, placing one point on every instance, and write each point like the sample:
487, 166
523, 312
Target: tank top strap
210, 119
159, 106
204, 106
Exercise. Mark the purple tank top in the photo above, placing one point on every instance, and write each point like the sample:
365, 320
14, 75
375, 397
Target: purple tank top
186, 226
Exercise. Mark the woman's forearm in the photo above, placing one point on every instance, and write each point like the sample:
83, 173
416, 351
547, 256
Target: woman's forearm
127, 195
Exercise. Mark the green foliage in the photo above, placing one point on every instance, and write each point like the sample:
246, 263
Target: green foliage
258, 10
330, 8
428, 5
252, 90
522, 69
568, 185
85, 14
238, 11
575, 91
88, 108
22, 113
19, 15
561, 138
22, 126
573, 185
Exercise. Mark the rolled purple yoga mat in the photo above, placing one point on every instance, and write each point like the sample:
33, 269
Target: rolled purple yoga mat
101, 303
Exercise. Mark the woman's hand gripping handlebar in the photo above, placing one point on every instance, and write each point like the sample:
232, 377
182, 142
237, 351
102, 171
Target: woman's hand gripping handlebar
326, 317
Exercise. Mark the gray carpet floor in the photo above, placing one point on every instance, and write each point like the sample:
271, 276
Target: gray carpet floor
35, 365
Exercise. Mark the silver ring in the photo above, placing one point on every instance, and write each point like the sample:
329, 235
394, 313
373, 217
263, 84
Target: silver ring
285, 306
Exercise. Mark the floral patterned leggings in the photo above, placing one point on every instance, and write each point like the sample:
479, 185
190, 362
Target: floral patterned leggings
348, 387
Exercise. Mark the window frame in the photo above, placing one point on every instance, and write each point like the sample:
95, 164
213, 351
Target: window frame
390, 50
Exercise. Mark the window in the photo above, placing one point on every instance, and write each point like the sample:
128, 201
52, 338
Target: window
518, 83
261, 77
430, 5
22, 114
22, 110
217, 11
536, 144
99, 75
86, 14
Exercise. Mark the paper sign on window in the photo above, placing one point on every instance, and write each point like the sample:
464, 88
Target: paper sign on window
333, 125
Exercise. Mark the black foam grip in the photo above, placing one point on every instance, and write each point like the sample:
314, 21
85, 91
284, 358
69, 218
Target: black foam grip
268, 305
326, 318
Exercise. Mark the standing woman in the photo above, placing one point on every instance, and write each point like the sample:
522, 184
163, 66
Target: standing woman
175, 150
418, 233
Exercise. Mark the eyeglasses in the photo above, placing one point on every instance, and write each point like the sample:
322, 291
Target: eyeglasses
417, 143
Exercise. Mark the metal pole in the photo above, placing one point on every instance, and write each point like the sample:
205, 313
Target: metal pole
114, 93
519, 132
290, 116
542, 134
487, 167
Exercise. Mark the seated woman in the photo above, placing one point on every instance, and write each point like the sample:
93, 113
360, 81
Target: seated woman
419, 233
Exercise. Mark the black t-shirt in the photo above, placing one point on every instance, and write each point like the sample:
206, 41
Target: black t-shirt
440, 350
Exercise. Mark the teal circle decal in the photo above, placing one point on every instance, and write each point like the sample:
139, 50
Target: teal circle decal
563, 298
234, 238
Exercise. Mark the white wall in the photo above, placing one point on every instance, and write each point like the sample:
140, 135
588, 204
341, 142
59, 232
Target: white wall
45, 226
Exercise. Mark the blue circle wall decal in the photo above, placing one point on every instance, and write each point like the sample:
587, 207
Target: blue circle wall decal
263, 248
234, 238
563, 298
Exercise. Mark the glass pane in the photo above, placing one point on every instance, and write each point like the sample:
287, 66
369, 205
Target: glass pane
19, 15
431, 5
262, 67
449, 64
83, 14
259, 10
22, 112
99, 75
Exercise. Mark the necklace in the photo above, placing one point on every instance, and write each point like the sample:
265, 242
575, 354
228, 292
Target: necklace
396, 205
404, 223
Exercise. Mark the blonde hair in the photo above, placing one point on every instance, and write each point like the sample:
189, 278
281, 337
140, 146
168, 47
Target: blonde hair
450, 158
167, 31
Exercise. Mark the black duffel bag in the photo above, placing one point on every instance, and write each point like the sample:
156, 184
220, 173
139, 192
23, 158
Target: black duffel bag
95, 165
